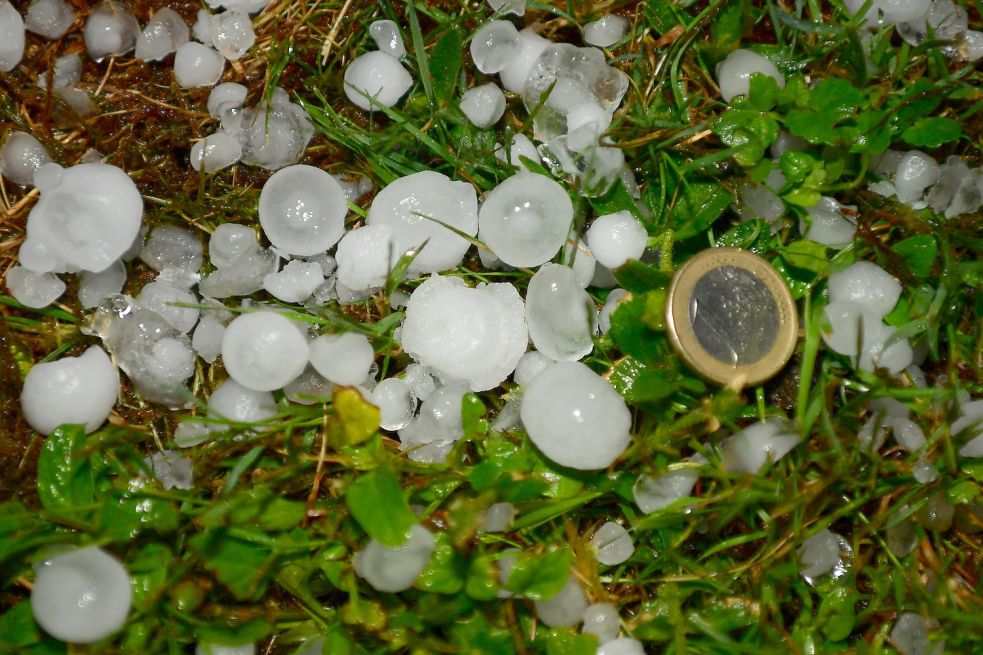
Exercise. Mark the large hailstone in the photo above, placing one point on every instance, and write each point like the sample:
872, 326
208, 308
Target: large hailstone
652, 494
87, 217
515, 73
387, 39
472, 334
33, 289
263, 350
395, 569
525, 220
734, 73
11, 37
407, 206
566, 608
164, 34
110, 30
849, 327
81, 596
560, 314
49, 18
302, 210
829, 224
379, 76
21, 156
79, 390
605, 31
868, 284
575, 418
495, 46
343, 359
483, 105
612, 544
275, 134
431, 435
197, 65
748, 450
916, 172
616, 238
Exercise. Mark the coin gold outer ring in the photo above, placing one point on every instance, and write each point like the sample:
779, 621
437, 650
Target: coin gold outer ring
684, 339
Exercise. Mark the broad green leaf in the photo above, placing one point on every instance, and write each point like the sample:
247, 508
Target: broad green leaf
919, 253
235, 633
18, 628
377, 503
807, 255
932, 132
260, 507
148, 574
753, 235
123, 519
962, 492
482, 579
637, 277
763, 91
632, 336
837, 614
616, 200
355, 418
445, 64
64, 477
473, 413
447, 570
837, 95
538, 577
748, 130
638, 383
700, 204
814, 127
566, 641
241, 566
725, 30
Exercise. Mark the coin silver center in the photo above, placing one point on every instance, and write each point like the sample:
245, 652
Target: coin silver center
734, 315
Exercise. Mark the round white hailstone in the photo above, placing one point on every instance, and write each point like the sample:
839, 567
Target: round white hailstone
385, 33
910, 636
232, 34
207, 338
849, 326
615, 298
902, 11
495, 46
49, 18
208, 648
431, 435
475, 335
916, 172
229, 243
263, 350
483, 105
748, 450
560, 314
308, 388
21, 156
164, 34
520, 146
530, 365
295, 282
829, 225
93, 287
408, 204
343, 359
565, 608
227, 95
575, 418
734, 73
420, 381
581, 260
907, 433
12, 37
868, 284
171, 469
971, 47
525, 220
233, 402
498, 517
379, 76
80, 390
110, 30
622, 646
88, 215
215, 152
396, 403
169, 246
395, 569
652, 494
197, 65
365, 257
887, 352
605, 31
602, 621
612, 544
818, 554
81, 596
275, 134
302, 210
924, 473
616, 238
68, 72
514, 74
166, 300
761, 200
34, 289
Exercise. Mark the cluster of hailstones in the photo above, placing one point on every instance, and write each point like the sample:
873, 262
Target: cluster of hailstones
88, 222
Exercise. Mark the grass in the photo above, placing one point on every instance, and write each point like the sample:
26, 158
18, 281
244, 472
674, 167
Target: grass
261, 548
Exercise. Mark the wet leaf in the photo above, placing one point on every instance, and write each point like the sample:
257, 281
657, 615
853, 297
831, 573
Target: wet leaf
932, 132
64, 477
355, 419
919, 253
377, 503
538, 577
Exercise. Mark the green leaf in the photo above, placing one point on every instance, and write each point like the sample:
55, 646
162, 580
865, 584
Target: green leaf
837, 614
539, 577
700, 204
65, 479
919, 253
932, 132
962, 492
632, 336
242, 566
445, 64
447, 570
355, 418
807, 255
377, 503
753, 235
616, 200
473, 413
235, 633
836, 95
565, 641
725, 30
637, 277
763, 92
482, 581
814, 127
749, 131
123, 519
637, 383
18, 628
